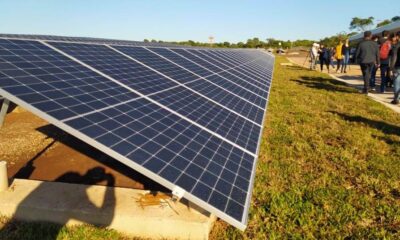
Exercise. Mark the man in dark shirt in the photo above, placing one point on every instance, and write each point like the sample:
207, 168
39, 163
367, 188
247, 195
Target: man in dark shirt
367, 55
384, 46
395, 69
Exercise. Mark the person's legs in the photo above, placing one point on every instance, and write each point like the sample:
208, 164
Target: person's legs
383, 68
312, 62
373, 76
321, 63
346, 62
315, 63
332, 64
396, 86
338, 65
366, 72
389, 79
327, 62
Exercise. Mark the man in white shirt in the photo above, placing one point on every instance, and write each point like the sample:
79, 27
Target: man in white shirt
314, 55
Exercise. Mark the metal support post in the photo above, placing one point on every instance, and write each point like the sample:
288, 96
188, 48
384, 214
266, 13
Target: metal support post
4, 110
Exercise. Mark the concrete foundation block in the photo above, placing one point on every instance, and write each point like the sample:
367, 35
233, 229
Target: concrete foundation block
111, 207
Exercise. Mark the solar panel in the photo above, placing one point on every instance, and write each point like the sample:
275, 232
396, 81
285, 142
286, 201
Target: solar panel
86, 40
183, 117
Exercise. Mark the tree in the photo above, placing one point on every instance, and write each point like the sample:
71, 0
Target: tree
146, 40
383, 23
361, 24
226, 44
395, 18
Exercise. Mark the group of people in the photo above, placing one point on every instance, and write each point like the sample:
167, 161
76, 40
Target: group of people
327, 56
373, 53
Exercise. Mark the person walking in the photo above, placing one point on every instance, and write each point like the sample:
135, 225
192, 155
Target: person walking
324, 57
395, 69
367, 55
338, 55
384, 50
372, 81
346, 56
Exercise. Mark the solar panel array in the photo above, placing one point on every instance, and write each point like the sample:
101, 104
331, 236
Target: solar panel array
184, 117
85, 40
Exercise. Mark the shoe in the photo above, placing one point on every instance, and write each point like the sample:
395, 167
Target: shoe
395, 102
345, 71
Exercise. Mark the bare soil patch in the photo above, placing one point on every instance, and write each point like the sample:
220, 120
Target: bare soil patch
35, 149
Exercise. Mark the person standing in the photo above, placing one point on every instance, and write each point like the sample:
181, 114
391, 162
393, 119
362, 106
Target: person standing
339, 55
367, 55
384, 50
332, 54
324, 57
346, 56
314, 55
395, 69
372, 81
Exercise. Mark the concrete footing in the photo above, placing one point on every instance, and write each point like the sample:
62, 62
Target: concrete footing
121, 209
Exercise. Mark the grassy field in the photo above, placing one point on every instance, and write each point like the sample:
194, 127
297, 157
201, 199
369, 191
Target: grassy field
329, 168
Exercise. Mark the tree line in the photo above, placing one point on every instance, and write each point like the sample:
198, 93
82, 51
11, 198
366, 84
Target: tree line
250, 43
357, 24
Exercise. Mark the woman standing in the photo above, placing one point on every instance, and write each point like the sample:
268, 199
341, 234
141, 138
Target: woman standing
346, 56
324, 57
338, 55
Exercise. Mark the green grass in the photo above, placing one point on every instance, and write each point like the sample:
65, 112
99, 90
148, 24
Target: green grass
329, 168
329, 165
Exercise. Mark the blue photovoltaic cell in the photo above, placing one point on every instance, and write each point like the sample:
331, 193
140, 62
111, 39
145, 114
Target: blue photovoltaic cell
210, 90
230, 62
174, 149
87, 40
239, 57
158, 63
177, 135
194, 58
205, 55
53, 83
117, 66
246, 109
215, 118
197, 69
147, 81
253, 95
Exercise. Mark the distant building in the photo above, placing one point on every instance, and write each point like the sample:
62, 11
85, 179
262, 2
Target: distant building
392, 27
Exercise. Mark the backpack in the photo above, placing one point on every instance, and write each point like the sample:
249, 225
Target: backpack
385, 49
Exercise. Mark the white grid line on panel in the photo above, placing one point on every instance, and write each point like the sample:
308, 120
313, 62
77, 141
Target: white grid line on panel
209, 99
200, 77
223, 70
148, 98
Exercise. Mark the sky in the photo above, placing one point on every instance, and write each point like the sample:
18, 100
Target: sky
179, 20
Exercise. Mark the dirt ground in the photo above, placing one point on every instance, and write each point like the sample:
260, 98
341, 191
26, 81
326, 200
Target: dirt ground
34, 149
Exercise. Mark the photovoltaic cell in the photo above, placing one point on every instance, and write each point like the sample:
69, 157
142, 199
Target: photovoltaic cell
180, 118
53, 83
185, 53
167, 53
247, 109
156, 62
217, 119
86, 40
117, 66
